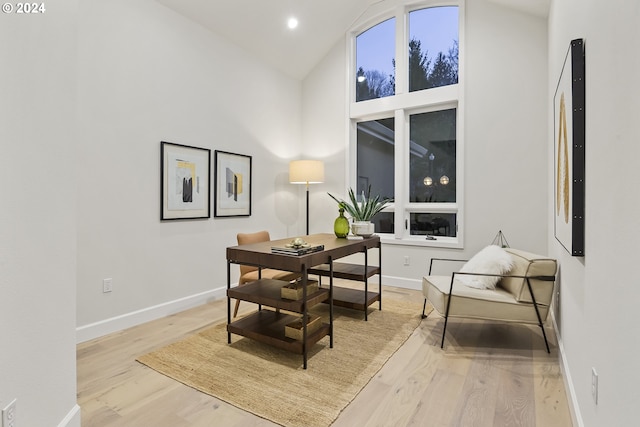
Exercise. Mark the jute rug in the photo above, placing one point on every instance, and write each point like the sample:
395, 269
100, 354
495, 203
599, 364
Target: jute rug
272, 383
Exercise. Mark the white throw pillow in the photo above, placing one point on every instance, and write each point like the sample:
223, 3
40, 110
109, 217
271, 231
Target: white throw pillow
490, 260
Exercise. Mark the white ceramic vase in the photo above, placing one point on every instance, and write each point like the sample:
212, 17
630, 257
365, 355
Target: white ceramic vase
363, 228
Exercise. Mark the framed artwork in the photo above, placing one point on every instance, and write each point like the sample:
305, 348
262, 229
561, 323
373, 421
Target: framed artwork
185, 186
569, 151
232, 188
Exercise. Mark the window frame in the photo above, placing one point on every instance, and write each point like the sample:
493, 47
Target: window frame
401, 106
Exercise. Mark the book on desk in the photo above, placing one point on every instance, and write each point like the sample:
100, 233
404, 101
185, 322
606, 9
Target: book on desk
284, 250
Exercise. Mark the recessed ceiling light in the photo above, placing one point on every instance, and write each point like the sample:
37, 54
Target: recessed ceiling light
292, 23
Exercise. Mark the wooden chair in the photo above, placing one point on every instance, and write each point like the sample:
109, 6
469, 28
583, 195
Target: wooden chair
250, 273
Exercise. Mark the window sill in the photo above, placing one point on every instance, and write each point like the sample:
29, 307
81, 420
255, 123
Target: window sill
439, 242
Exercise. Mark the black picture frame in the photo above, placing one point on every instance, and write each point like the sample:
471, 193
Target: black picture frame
185, 182
233, 185
569, 151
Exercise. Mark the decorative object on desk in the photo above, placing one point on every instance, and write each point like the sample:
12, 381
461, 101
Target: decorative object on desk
280, 389
306, 172
362, 212
294, 329
293, 290
363, 228
500, 240
185, 182
296, 247
232, 189
341, 224
297, 243
569, 149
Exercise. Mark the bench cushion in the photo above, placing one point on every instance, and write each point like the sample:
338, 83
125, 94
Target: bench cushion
528, 264
492, 304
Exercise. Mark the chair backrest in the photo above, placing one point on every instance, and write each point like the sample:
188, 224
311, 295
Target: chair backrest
248, 238
528, 264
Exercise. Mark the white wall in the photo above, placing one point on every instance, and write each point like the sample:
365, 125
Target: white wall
505, 137
37, 215
599, 292
147, 75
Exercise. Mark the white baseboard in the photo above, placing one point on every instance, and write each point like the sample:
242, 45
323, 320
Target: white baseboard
118, 323
72, 419
400, 282
574, 408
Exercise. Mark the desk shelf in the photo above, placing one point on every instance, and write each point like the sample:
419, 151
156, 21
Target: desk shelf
267, 292
351, 298
267, 326
342, 270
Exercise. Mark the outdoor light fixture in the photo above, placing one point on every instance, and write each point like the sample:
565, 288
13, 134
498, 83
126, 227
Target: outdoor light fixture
306, 172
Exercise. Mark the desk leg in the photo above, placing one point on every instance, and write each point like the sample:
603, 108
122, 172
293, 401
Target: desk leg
259, 278
330, 302
366, 283
380, 276
305, 316
228, 301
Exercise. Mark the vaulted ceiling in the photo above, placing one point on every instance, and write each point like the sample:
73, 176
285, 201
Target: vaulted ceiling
260, 26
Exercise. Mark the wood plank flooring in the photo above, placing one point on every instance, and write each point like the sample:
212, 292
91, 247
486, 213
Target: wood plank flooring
489, 374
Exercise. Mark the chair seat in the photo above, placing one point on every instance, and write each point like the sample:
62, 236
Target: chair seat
497, 304
268, 273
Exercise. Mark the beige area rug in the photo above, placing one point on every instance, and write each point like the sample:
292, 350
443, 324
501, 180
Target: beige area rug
272, 383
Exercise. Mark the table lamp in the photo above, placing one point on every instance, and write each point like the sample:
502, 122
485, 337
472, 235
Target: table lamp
306, 172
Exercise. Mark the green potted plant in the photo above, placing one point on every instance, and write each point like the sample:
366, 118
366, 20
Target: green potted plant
362, 213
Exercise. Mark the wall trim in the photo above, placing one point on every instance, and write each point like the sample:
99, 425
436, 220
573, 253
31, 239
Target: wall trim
124, 321
400, 282
570, 391
72, 419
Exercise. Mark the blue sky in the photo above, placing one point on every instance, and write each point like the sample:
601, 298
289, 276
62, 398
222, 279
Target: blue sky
435, 27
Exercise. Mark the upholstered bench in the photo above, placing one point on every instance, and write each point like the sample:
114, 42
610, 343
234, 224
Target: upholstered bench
523, 290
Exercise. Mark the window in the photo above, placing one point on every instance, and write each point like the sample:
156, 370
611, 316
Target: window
405, 114
433, 47
375, 52
376, 160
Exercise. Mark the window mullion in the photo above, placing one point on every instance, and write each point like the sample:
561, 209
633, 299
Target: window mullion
402, 41
401, 173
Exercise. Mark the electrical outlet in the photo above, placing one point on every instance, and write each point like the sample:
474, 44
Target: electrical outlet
107, 285
9, 415
594, 385
406, 260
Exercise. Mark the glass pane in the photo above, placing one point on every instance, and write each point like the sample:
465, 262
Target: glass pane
375, 61
432, 162
433, 224
375, 157
384, 222
433, 47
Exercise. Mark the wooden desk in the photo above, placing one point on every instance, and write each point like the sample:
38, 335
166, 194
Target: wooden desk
267, 326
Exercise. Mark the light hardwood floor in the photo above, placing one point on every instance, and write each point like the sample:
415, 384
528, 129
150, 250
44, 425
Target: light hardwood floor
489, 374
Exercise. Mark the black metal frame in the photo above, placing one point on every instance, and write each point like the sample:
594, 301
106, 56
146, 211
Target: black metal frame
527, 278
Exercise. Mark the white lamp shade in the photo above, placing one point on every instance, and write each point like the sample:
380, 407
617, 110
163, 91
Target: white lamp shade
306, 172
